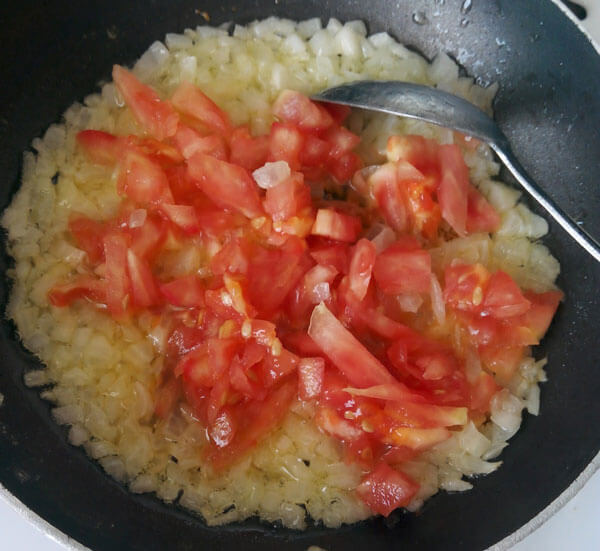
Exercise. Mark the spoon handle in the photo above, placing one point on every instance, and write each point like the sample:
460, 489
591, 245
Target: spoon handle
564, 220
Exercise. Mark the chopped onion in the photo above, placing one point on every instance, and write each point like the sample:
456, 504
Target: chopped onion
137, 218
506, 411
271, 174
320, 292
437, 300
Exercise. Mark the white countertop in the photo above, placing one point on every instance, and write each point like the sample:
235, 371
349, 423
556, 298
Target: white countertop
575, 527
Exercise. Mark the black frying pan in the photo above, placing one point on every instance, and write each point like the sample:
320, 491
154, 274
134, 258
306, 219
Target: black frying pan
549, 107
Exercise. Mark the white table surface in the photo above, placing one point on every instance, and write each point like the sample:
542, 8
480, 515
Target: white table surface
575, 527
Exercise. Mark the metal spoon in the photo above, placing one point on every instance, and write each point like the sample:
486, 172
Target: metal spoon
438, 107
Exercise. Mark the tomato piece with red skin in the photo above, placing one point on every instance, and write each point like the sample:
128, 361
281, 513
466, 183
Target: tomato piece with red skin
147, 239
276, 367
241, 382
233, 258
143, 287
116, 277
256, 421
386, 489
310, 377
362, 263
314, 287
333, 254
482, 391
425, 213
190, 142
272, 274
390, 197
100, 147
339, 113
423, 415
88, 235
226, 184
192, 102
398, 270
157, 117
481, 216
394, 392
184, 217
297, 109
248, 151
287, 198
341, 141
453, 189
187, 292
503, 361
83, 287
343, 168
503, 298
336, 225
195, 369
542, 310
360, 367
315, 151
285, 144
465, 285
141, 179
160, 152
416, 438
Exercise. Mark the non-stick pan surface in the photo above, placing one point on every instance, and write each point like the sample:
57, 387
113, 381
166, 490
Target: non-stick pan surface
54, 53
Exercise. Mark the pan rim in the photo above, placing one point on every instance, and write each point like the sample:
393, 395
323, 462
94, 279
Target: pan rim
503, 545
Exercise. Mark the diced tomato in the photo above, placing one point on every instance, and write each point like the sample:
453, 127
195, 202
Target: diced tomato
248, 151
310, 377
416, 415
242, 382
425, 213
256, 420
481, 216
190, 142
143, 287
187, 292
336, 225
117, 280
503, 298
183, 216
315, 151
84, 286
341, 141
162, 153
338, 112
156, 116
192, 102
403, 271
333, 254
542, 310
147, 239
420, 152
453, 188
141, 179
285, 144
343, 349
330, 421
503, 361
482, 391
88, 235
361, 267
394, 392
226, 184
386, 489
314, 287
232, 258
415, 438
343, 168
288, 198
272, 274
465, 286
295, 108
390, 197
100, 147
